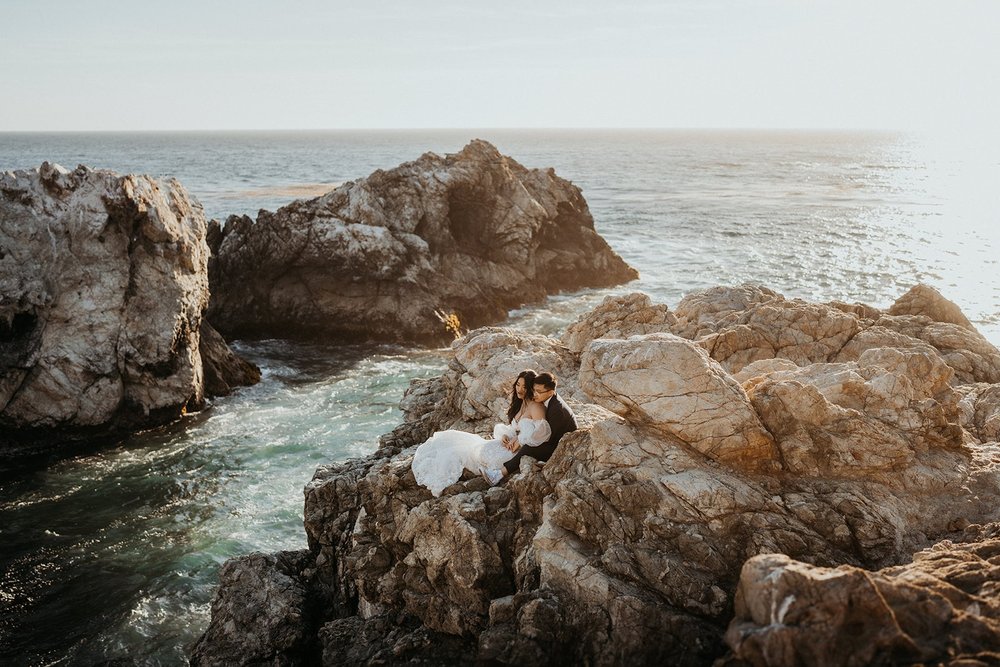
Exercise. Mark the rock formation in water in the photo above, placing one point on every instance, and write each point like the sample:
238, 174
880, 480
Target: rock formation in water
104, 283
739, 425
472, 233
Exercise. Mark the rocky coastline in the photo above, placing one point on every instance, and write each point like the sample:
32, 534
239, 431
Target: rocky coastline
113, 286
103, 290
757, 480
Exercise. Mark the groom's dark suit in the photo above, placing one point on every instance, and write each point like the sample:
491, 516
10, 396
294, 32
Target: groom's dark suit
561, 420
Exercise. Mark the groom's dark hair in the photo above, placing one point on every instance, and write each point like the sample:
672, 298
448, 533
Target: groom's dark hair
547, 380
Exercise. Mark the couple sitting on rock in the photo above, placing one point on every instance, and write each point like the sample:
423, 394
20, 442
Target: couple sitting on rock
536, 420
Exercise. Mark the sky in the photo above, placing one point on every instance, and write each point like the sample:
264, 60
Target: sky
185, 65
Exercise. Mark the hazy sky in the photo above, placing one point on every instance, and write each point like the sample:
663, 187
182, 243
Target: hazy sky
101, 65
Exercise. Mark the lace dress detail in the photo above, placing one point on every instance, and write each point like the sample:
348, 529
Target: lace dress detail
438, 463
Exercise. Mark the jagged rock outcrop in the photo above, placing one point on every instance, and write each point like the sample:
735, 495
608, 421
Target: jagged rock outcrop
927, 301
626, 547
224, 370
474, 233
619, 317
940, 609
980, 411
271, 621
701, 313
103, 281
741, 325
866, 418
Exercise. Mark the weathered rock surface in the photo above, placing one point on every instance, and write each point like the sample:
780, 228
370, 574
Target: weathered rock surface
669, 384
785, 329
224, 370
973, 358
859, 419
626, 547
103, 281
980, 411
942, 609
927, 301
474, 233
619, 317
741, 325
701, 313
266, 597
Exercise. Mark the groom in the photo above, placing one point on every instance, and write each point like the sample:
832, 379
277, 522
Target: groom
559, 416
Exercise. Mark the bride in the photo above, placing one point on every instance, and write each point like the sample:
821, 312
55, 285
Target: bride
438, 463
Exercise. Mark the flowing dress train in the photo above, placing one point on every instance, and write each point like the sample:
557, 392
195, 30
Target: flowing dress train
438, 463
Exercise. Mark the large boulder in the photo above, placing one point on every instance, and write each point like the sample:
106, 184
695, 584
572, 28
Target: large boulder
703, 312
927, 301
973, 358
671, 385
472, 233
804, 333
864, 418
104, 282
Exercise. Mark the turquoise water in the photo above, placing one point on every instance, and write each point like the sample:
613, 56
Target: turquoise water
119, 550
114, 554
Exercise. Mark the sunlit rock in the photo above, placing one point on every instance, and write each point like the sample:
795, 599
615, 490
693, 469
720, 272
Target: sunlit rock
619, 317
801, 332
104, 281
927, 301
704, 312
627, 546
671, 385
858, 419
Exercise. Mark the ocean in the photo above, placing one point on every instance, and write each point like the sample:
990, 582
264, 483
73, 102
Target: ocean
114, 554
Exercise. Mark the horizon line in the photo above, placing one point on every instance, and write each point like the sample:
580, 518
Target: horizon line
570, 128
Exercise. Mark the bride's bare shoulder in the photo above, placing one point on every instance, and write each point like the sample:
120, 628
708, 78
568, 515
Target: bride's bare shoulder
535, 411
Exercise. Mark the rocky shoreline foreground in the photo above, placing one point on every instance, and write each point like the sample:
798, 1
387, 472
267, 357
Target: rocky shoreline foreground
756, 480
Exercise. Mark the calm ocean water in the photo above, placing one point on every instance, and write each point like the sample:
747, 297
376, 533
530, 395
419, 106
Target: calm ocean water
114, 555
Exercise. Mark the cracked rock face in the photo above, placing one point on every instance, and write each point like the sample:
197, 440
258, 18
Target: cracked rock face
669, 384
627, 546
474, 233
104, 281
858, 419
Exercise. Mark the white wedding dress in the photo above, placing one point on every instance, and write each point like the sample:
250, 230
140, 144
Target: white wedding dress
438, 463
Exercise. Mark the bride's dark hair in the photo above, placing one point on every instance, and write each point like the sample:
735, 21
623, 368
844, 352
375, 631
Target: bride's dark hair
515, 403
